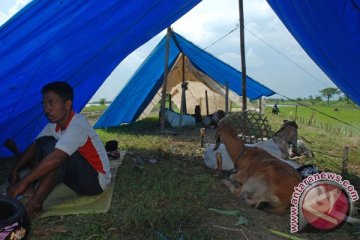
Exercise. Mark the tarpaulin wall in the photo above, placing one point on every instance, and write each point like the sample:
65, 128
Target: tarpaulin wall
329, 32
79, 42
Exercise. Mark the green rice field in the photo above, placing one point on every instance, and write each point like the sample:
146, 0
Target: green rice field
334, 119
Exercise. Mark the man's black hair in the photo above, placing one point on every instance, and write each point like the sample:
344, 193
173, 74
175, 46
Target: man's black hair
63, 89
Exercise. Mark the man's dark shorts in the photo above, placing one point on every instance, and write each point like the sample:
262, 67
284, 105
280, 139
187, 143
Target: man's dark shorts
75, 172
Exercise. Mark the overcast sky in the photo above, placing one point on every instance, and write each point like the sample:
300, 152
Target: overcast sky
270, 48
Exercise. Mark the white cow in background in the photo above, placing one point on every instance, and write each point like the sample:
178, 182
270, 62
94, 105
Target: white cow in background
277, 146
227, 163
174, 119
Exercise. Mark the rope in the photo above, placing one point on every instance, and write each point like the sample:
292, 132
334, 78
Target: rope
327, 115
221, 38
218, 40
330, 155
270, 46
289, 59
327, 154
306, 140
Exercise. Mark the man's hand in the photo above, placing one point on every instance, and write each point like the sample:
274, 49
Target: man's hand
17, 189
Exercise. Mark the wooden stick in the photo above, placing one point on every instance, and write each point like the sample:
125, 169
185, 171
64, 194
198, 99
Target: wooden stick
345, 161
207, 103
170, 107
202, 135
260, 107
226, 97
166, 71
242, 53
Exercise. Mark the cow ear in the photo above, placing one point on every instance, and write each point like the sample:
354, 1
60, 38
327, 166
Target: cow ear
284, 121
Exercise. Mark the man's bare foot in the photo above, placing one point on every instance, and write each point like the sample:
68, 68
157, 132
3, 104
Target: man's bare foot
33, 210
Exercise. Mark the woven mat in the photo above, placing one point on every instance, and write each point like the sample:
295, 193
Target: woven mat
63, 201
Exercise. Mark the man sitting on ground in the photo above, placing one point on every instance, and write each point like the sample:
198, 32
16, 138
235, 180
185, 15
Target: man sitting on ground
67, 150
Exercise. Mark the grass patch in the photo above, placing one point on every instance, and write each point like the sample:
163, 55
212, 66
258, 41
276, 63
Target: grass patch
310, 117
347, 115
174, 194
153, 197
326, 144
101, 107
147, 202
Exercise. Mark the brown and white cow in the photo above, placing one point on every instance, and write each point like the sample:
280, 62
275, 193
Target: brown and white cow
261, 180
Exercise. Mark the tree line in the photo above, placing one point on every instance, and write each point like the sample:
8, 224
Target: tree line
326, 94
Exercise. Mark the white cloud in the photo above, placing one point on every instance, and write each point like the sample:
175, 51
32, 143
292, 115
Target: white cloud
253, 59
257, 9
209, 21
230, 58
3, 18
17, 5
203, 24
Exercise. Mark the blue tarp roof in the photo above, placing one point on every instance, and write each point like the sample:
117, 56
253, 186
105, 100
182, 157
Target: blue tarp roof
329, 32
145, 83
82, 41
79, 42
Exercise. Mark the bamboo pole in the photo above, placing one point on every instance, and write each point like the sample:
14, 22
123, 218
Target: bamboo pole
242, 48
202, 135
227, 97
345, 162
166, 71
183, 94
260, 107
170, 105
207, 103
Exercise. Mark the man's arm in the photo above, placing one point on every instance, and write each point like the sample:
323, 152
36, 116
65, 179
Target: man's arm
26, 158
46, 166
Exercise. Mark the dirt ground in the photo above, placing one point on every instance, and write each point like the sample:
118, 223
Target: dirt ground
259, 222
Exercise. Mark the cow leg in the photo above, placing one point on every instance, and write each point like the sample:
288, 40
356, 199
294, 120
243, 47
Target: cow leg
233, 189
256, 192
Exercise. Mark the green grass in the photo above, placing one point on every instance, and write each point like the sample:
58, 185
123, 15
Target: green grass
315, 118
351, 116
174, 194
326, 142
162, 196
95, 108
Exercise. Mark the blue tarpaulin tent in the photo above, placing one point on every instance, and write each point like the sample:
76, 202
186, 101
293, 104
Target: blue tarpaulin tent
82, 41
329, 32
145, 83
79, 42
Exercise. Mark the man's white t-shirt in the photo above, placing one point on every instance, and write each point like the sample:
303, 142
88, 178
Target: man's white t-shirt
80, 136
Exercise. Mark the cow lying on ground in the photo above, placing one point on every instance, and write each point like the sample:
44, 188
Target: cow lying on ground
278, 146
261, 180
179, 120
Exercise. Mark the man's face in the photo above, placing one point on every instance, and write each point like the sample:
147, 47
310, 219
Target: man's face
55, 109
